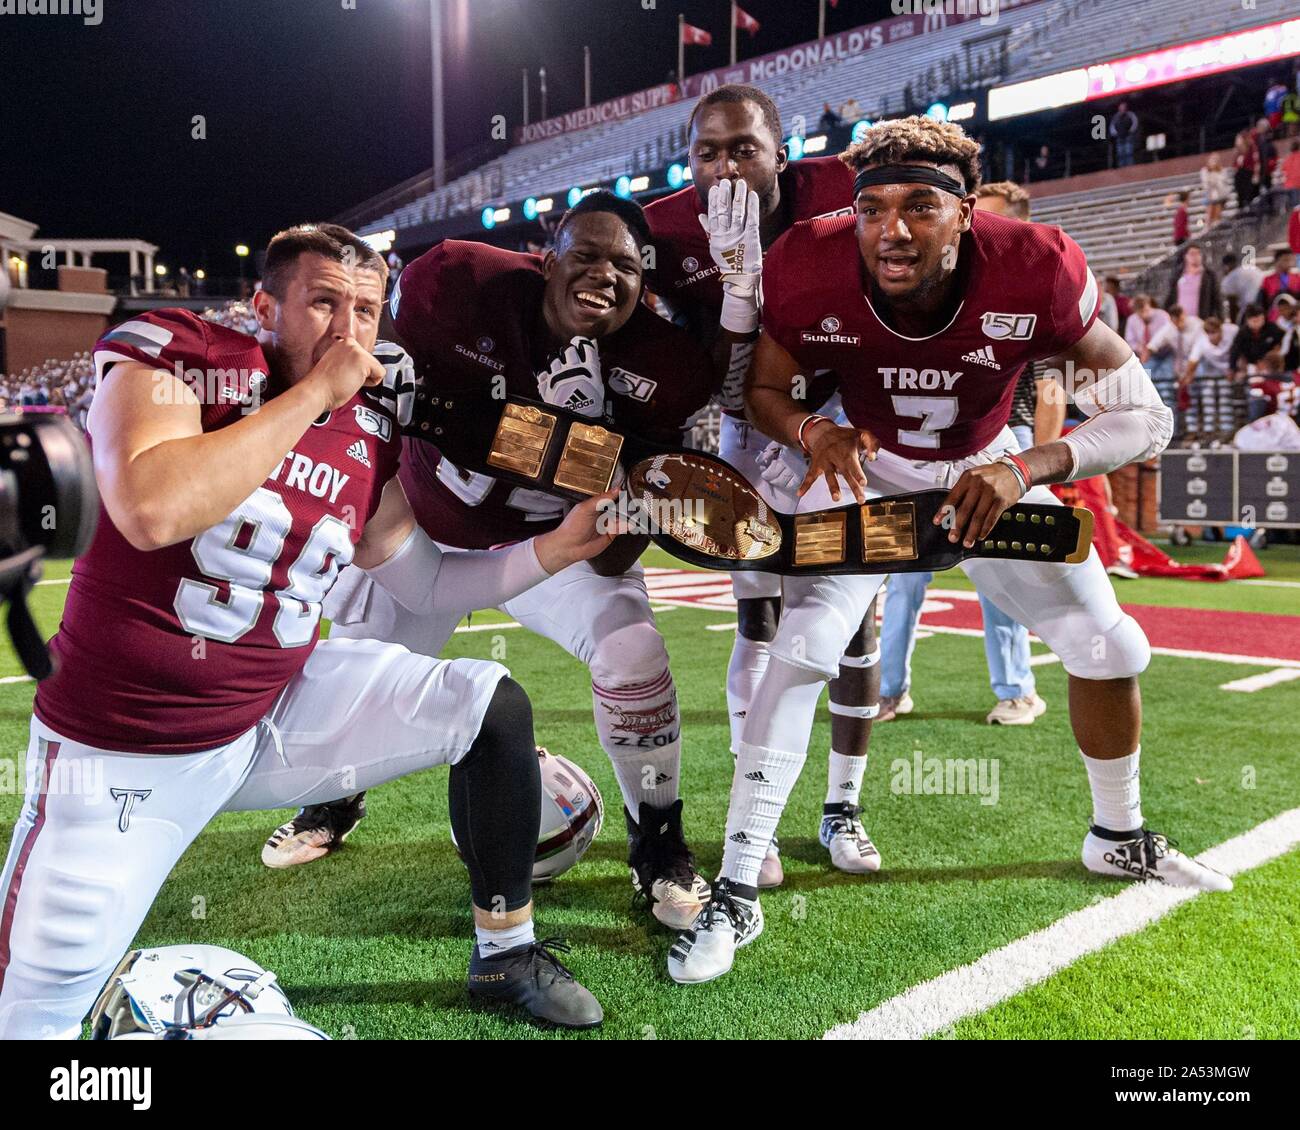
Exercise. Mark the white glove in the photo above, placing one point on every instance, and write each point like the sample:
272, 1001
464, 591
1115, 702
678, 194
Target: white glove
397, 393
783, 469
573, 380
734, 243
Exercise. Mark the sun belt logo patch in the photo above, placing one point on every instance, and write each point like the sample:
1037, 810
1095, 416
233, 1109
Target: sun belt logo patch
1009, 327
690, 264
831, 325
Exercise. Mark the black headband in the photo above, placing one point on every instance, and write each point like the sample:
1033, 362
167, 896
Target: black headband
907, 174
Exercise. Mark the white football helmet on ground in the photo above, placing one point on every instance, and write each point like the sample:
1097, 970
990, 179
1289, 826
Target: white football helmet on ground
572, 814
187, 992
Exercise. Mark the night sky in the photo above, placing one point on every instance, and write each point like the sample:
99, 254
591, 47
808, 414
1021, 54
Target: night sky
310, 107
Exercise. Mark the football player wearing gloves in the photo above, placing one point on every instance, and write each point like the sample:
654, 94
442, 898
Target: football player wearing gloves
923, 417
569, 328
191, 679
710, 239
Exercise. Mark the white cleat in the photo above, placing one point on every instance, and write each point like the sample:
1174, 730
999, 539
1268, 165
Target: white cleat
1149, 857
843, 835
771, 873
1017, 711
708, 949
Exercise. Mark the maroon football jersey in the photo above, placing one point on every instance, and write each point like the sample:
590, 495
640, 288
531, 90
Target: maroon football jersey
684, 273
184, 648
471, 317
1028, 295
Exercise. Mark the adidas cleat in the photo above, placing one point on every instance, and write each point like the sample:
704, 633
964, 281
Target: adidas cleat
1147, 857
534, 979
843, 835
663, 869
316, 831
732, 918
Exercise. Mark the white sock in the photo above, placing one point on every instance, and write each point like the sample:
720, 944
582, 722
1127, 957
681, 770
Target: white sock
748, 662
770, 757
760, 787
640, 728
844, 778
492, 942
1116, 792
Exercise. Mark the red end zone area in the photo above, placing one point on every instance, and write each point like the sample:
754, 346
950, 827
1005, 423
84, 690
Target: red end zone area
1190, 633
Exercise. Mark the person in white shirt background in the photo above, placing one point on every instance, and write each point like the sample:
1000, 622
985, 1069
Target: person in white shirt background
1209, 413
1241, 283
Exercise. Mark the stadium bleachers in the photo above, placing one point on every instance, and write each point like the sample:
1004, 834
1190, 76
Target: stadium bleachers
1040, 39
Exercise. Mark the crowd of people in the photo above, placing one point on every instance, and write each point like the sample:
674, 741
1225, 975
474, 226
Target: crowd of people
1222, 352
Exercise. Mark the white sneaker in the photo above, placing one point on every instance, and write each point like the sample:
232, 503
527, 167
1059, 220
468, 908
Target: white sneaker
843, 835
771, 873
891, 706
1149, 856
1017, 711
708, 948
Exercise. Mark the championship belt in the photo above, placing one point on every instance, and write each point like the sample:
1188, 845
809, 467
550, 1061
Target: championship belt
704, 512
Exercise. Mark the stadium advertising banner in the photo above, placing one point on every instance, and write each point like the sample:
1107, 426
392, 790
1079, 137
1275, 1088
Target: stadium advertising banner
913, 18
614, 110
1155, 68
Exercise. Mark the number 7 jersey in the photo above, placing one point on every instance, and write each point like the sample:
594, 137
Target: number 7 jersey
1026, 295
184, 648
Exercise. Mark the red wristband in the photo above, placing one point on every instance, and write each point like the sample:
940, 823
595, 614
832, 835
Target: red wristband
1021, 467
813, 418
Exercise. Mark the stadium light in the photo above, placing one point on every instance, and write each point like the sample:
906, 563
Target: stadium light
962, 111
200, 274
860, 129
938, 111
794, 146
675, 176
545, 204
160, 270
489, 218
815, 144
241, 249
530, 208
575, 194
640, 184
380, 241
623, 187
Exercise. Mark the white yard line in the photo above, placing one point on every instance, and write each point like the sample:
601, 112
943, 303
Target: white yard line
16, 679
1273, 584
57, 581
1000, 974
1252, 683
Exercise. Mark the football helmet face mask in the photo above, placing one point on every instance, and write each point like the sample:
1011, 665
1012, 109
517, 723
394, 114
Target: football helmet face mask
177, 991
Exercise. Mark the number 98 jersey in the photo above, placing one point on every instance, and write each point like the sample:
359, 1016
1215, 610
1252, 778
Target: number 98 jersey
184, 648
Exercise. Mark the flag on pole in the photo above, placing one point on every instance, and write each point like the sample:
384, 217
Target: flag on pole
745, 21
695, 36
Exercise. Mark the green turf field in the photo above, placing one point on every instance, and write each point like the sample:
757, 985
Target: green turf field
373, 941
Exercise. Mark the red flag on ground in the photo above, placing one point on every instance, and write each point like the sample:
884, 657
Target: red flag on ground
745, 21
1124, 551
695, 36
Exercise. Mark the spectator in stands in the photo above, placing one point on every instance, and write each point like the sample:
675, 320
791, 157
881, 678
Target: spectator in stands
1271, 388
1182, 218
1283, 279
1258, 338
1277, 90
1293, 231
1267, 164
1285, 318
850, 112
1168, 349
1196, 290
1154, 349
1245, 164
1291, 176
1240, 285
830, 119
1042, 163
1215, 185
1291, 112
1109, 312
1209, 409
1124, 131
1122, 303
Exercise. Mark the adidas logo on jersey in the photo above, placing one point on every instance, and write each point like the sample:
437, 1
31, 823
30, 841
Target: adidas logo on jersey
983, 356
739, 838
359, 453
847, 786
757, 775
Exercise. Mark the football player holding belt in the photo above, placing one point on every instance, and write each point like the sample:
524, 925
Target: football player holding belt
709, 243
571, 330
190, 679
928, 311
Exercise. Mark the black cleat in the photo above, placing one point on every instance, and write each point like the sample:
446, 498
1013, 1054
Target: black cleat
316, 831
663, 869
532, 977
